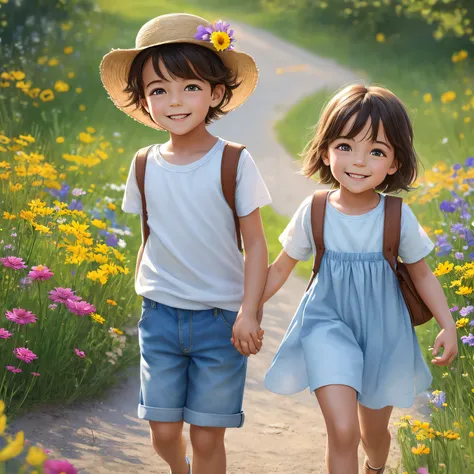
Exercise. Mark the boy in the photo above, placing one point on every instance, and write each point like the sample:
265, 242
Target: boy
198, 290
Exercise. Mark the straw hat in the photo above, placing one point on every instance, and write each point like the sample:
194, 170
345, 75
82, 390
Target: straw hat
175, 28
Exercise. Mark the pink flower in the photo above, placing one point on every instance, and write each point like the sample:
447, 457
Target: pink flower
4, 334
21, 316
61, 295
52, 466
423, 470
25, 354
13, 369
35, 374
16, 263
81, 354
81, 308
53, 306
40, 273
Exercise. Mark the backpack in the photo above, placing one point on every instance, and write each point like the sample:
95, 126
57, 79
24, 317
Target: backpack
419, 312
229, 166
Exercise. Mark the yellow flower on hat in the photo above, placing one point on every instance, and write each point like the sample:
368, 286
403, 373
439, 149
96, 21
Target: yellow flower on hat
220, 40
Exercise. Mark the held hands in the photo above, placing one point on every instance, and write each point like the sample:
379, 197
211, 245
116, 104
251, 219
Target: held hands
448, 340
247, 335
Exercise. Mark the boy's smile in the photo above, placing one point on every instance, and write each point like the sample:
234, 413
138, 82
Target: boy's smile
179, 105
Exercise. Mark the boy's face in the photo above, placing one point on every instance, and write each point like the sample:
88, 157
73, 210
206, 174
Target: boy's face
360, 164
177, 105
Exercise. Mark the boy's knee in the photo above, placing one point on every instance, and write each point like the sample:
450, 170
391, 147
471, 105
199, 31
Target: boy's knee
164, 433
206, 440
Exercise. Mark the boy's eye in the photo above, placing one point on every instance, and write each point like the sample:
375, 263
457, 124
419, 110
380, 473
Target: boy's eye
343, 147
377, 152
192, 88
158, 91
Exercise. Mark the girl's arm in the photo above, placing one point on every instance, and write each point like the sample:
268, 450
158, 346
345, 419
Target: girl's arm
432, 294
278, 273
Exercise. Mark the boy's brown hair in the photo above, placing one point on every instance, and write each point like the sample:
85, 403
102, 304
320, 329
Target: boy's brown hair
376, 104
184, 61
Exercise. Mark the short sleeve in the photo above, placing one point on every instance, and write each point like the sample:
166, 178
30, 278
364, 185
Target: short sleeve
297, 237
414, 242
251, 192
132, 200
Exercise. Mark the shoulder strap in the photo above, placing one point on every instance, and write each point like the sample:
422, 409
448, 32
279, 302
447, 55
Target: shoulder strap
230, 163
140, 167
318, 211
391, 229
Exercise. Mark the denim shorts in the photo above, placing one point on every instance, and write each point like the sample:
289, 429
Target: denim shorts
189, 369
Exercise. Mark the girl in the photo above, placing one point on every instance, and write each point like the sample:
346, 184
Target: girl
351, 340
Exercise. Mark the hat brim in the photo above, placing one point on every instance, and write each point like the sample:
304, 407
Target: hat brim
115, 67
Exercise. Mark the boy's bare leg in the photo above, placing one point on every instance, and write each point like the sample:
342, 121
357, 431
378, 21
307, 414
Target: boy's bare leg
168, 442
208, 450
375, 434
339, 406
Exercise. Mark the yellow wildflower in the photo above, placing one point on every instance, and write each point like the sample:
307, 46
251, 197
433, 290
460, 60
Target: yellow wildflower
421, 449
53, 62
448, 97
99, 224
111, 206
464, 290
117, 331
428, 98
82, 107
36, 456
460, 323
61, 86
68, 50
60, 140
14, 448
17, 75
220, 40
380, 38
78, 90
71, 75
112, 302
16, 187
86, 137
8, 216
97, 318
443, 268
47, 95
90, 129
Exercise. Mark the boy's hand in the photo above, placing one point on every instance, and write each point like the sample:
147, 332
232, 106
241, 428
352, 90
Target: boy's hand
448, 340
247, 335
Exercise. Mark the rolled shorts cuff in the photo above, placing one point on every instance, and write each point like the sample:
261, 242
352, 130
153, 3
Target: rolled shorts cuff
214, 420
166, 415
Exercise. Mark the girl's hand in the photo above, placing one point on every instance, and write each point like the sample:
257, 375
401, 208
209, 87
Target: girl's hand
448, 340
247, 335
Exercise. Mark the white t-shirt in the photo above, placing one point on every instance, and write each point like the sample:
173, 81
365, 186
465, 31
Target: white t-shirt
359, 234
191, 259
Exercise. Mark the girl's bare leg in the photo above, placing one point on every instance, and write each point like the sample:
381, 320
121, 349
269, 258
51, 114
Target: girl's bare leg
375, 434
339, 406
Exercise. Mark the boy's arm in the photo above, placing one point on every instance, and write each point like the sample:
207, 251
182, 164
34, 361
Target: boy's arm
432, 294
247, 333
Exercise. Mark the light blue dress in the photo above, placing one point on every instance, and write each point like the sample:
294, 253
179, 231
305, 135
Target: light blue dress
352, 326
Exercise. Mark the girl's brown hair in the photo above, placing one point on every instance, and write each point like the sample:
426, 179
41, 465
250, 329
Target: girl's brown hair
184, 61
379, 105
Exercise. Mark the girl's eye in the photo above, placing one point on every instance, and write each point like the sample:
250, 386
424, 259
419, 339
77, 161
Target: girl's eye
192, 88
158, 91
378, 153
343, 147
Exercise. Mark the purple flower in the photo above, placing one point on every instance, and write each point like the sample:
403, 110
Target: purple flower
8, 247
4, 334
25, 354
204, 33
112, 240
466, 310
457, 166
20, 316
76, 205
79, 353
81, 308
53, 306
459, 256
13, 369
62, 295
469, 162
24, 282
447, 206
438, 398
468, 339
52, 466
62, 193
454, 308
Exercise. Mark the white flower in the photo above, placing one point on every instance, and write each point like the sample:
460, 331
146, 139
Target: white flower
444, 140
122, 244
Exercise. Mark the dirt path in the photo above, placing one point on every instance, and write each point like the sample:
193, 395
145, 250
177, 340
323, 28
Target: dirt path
282, 434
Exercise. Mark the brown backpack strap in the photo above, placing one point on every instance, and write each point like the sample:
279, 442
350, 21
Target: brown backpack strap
318, 211
230, 163
391, 229
140, 168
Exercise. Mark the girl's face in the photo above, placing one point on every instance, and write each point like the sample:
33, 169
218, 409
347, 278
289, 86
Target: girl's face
360, 164
175, 104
